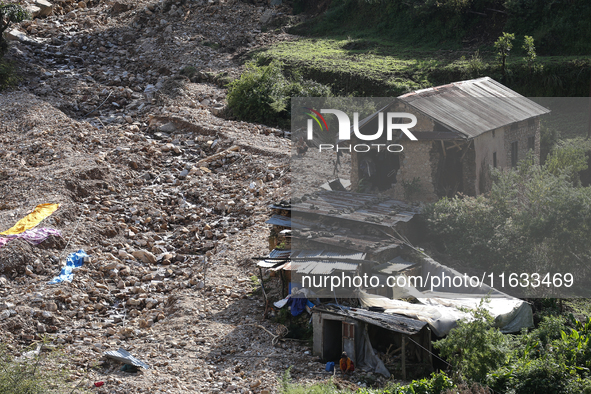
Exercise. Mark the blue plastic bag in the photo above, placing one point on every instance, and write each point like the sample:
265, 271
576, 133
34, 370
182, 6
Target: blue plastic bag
75, 260
330, 366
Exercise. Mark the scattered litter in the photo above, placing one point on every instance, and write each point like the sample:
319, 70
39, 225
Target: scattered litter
129, 368
40, 212
281, 303
298, 305
33, 236
98, 384
75, 260
124, 356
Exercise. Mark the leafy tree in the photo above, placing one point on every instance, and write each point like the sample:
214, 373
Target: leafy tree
530, 51
9, 13
504, 44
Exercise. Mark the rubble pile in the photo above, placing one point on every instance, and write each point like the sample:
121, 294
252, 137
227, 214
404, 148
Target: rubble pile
167, 198
120, 53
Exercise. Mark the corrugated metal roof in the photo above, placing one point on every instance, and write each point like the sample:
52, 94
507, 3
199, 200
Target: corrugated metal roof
395, 265
319, 267
322, 253
396, 323
278, 220
473, 107
280, 254
358, 207
277, 259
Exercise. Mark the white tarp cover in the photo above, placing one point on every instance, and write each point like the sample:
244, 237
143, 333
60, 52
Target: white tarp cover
366, 356
442, 308
442, 314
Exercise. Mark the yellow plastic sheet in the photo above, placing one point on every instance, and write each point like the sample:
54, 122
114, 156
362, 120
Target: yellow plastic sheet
40, 212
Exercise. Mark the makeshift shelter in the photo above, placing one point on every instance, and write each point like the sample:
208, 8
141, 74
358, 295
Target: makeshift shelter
375, 341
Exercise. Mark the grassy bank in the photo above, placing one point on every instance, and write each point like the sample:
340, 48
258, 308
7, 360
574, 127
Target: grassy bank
374, 67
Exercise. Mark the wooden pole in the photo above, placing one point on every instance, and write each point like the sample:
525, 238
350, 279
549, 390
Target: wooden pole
403, 359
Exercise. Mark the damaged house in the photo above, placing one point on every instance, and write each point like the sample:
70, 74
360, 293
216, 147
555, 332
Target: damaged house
384, 328
463, 129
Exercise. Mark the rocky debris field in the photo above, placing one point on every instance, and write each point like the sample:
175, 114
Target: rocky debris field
168, 198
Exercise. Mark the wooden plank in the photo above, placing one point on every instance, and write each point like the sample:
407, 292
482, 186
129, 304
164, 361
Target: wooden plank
430, 347
403, 359
217, 155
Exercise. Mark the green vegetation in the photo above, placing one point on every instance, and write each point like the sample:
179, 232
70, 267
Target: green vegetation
484, 348
530, 51
536, 216
263, 93
504, 45
9, 13
369, 66
35, 372
560, 27
386, 48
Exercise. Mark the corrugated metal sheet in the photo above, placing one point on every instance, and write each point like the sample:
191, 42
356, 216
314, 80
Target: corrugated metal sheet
318, 267
305, 258
348, 241
395, 265
270, 263
396, 323
473, 107
358, 207
280, 254
301, 254
124, 356
278, 220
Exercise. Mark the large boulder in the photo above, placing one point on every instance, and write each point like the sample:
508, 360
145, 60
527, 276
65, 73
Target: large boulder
45, 6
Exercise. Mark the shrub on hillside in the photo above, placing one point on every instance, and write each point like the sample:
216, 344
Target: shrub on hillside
34, 372
9, 13
263, 93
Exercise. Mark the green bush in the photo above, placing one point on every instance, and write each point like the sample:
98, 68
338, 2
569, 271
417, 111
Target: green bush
474, 348
569, 157
35, 372
535, 216
8, 75
9, 13
263, 94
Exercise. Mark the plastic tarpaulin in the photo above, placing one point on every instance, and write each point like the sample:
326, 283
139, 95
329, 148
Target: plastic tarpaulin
366, 356
40, 212
442, 314
33, 236
75, 260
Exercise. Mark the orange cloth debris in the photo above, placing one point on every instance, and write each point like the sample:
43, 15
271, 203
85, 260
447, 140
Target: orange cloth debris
40, 212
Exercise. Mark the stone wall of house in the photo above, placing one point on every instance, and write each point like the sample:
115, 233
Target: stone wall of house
499, 142
520, 132
417, 163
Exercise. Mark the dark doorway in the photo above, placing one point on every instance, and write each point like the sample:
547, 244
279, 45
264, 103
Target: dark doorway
378, 170
451, 179
332, 340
